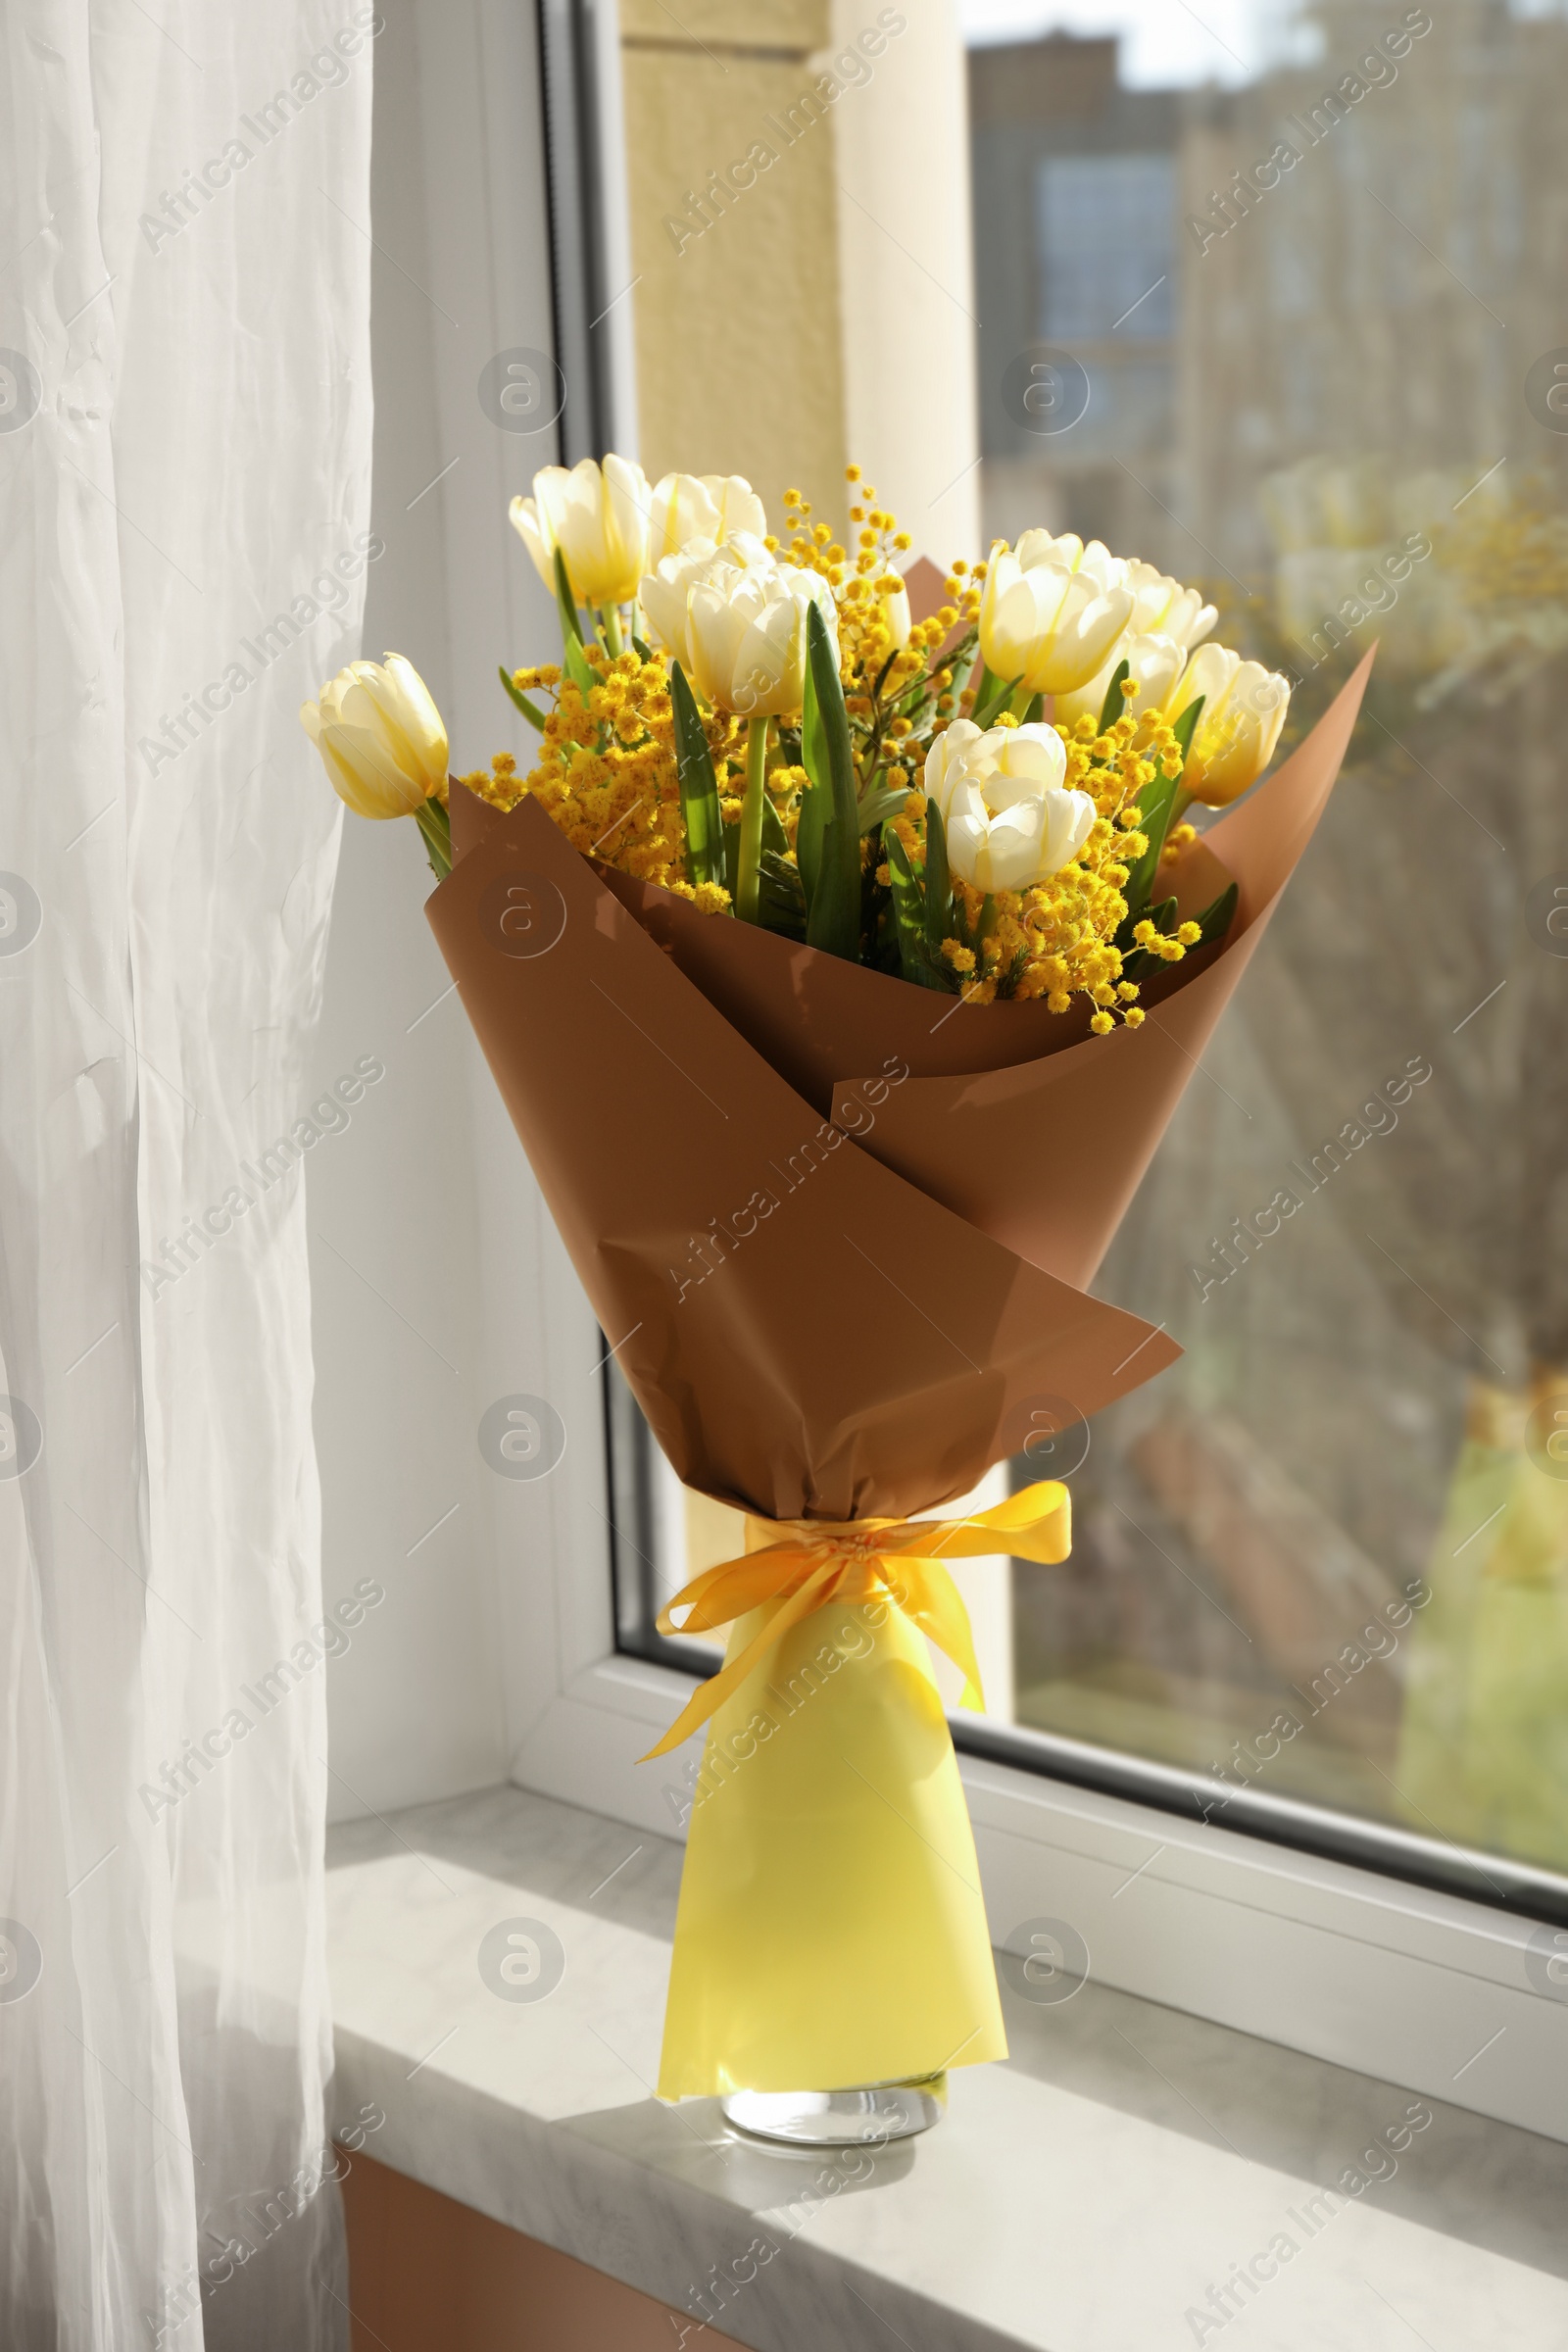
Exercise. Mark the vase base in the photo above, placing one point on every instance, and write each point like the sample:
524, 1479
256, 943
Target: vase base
840, 2119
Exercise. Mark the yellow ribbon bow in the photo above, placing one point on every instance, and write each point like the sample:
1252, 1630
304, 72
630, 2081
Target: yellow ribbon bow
819, 1561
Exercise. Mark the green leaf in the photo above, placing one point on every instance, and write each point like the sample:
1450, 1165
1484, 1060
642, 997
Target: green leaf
808, 837
1187, 724
576, 667
816, 804
909, 912
833, 919
775, 837
1153, 818
781, 900
1215, 919
566, 604
986, 689
882, 802
574, 661
938, 881
531, 710
1115, 701
645, 650
435, 825
1000, 699
699, 787
833, 922
732, 856
988, 919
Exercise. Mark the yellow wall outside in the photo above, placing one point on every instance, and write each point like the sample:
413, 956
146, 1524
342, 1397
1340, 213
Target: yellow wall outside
825, 314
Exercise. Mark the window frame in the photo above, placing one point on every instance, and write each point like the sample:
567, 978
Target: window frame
1354, 1961
1348, 1940
1444, 1866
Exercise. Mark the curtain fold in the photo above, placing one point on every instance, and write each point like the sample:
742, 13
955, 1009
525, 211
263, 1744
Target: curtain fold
184, 532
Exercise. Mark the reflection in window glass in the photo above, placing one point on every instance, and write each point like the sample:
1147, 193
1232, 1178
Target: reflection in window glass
1312, 269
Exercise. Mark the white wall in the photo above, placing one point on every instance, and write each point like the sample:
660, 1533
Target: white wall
424, 1219
908, 267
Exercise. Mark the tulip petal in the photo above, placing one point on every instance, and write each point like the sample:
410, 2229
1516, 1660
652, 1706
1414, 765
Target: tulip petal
1083, 640
535, 537
966, 841
1072, 819
737, 506
417, 717
680, 509
365, 775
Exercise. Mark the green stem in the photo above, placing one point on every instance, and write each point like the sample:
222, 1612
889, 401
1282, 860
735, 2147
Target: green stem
749, 867
999, 699
1181, 802
531, 710
609, 615
436, 827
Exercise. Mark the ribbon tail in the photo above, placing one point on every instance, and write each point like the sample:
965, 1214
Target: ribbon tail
706, 1699
720, 1595
1035, 1524
1038, 1520
933, 1602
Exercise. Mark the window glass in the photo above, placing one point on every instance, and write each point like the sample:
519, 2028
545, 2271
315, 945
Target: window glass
1307, 261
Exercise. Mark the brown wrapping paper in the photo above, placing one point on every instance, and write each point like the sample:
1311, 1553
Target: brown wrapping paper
833, 1317
809, 1334
1013, 1118
1091, 1115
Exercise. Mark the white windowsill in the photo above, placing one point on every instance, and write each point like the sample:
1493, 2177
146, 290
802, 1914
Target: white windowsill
1337, 1962
1082, 2197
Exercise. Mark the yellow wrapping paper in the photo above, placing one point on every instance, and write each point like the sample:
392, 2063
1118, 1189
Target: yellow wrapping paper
831, 1930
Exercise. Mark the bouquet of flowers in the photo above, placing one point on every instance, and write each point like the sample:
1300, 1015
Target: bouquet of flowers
841, 959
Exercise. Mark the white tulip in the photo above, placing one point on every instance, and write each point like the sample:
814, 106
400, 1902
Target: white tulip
1007, 818
1051, 612
739, 509
381, 737
947, 761
1154, 663
735, 618
598, 518
1068, 553
666, 592
1163, 608
1237, 728
686, 507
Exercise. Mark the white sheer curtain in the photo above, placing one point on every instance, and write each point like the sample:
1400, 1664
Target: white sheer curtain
184, 498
